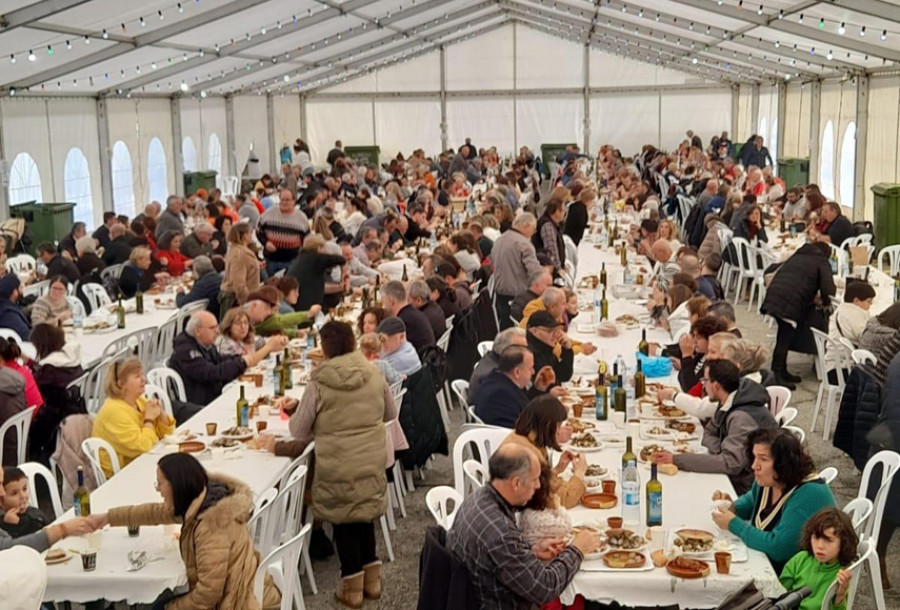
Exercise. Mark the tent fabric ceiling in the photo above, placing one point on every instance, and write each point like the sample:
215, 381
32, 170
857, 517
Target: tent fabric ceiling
203, 47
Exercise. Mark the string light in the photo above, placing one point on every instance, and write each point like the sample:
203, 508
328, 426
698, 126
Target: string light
830, 55
822, 23
842, 29
143, 23
862, 31
69, 45
884, 34
31, 56
105, 35
12, 59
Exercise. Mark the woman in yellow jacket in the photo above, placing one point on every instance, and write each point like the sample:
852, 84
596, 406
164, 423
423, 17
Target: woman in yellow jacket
128, 420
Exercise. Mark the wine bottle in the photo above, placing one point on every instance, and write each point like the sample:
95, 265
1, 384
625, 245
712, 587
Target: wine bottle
279, 377
139, 301
654, 499
604, 306
620, 396
603, 274
643, 346
628, 456
286, 371
240, 406
640, 381
405, 276
82, 503
623, 256
120, 310
601, 402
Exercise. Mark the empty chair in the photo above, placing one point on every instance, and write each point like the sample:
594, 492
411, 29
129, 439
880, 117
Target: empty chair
485, 440
828, 474
438, 501
282, 563
96, 295
484, 347
828, 391
460, 387
786, 416
92, 447
164, 341
859, 509
138, 343
34, 471
891, 254
21, 423
170, 380
779, 398
93, 391
798, 432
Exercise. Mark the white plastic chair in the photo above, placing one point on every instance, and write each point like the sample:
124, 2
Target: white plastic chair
865, 554
23, 263
484, 347
485, 439
283, 563
92, 390
890, 463
154, 391
828, 474
92, 447
169, 380
892, 254
827, 391
139, 341
863, 356
859, 510
96, 296
77, 306
437, 500
21, 422
289, 512
476, 474
230, 186
786, 416
164, 341
188, 310
38, 289
472, 417
34, 470
263, 520
460, 387
779, 398
798, 432
113, 271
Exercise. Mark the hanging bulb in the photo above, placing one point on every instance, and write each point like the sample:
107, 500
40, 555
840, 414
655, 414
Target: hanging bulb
203, 94
862, 31
842, 29
202, 52
759, 11
69, 45
143, 23
800, 21
153, 66
12, 59
180, 8
87, 40
830, 55
105, 35
822, 23
781, 13
185, 87
262, 30
31, 56
884, 34
777, 44
161, 16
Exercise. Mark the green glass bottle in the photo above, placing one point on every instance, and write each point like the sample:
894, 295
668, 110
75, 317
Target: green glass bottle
628, 456
604, 306
620, 396
603, 274
279, 377
82, 503
240, 405
654, 499
640, 381
120, 310
643, 346
601, 402
139, 301
623, 256
286, 371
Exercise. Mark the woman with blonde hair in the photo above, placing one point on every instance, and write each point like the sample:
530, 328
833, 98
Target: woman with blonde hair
370, 346
236, 335
669, 234
241, 268
137, 273
128, 420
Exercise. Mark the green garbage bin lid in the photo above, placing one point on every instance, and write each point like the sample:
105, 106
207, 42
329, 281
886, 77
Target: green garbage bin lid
886, 189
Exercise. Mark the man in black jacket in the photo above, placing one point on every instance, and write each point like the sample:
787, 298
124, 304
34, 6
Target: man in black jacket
418, 329
505, 338
102, 232
202, 368
56, 263
502, 396
118, 250
67, 243
836, 227
420, 298
207, 286
544, 333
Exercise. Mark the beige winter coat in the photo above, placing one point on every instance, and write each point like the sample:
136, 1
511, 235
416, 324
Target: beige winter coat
216, 548
241, 272
710, 243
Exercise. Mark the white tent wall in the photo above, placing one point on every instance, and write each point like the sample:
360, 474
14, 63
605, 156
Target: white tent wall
348, 121
796, 128
614, 71
767, 122
250, 128
73, 124
838, 107
485, 62
26, 131
883, 150
192, 127
287, 122
540, 59
489, 122
401, 126
628, 121
745, 125
550, 120
706, 112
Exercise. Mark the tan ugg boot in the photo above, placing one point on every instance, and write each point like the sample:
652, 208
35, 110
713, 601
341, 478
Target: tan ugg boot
351, 592
372, 580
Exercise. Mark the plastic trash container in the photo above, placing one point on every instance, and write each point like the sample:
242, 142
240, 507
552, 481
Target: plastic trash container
44, 221
370, 155
194, 181
793, 172
887, 214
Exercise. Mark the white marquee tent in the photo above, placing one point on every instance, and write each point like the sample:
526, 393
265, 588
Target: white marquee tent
105, 103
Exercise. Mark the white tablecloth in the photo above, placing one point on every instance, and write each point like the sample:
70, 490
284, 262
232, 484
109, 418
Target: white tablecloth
93, 343
687, 497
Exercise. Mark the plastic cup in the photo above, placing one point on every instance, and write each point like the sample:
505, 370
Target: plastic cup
211, 428
609, 487
577, 409
261, 425
723, 562
614, 522
89, 560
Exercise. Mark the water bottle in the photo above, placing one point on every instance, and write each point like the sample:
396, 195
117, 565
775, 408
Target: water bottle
620, 365
470, 206
631, 494
604, 235
77, 318
598, 297
627, 276
629, 386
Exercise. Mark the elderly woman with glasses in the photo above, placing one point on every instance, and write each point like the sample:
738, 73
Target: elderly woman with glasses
128, 420
53, 307
88, 262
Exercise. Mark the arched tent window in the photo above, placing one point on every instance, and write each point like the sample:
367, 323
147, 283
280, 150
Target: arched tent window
763, 129
77, 184
157, 173
826, 161
189, 155
772, 144
122, 179
847, 167
24, 180
214, 159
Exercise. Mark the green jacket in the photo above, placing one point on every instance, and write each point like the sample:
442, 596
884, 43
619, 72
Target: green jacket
282, 323
804, 570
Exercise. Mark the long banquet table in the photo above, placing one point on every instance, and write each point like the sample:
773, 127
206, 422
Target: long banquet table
687, 496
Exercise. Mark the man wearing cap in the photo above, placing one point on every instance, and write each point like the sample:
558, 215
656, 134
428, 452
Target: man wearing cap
418, 328
11, 315
502, 396
396, 349
262, 307
200, 241
553, 301
207, 286
544, 333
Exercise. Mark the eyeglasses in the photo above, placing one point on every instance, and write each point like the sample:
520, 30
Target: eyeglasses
156, 485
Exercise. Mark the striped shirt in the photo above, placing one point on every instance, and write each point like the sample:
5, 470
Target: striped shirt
504, 570
286, 231
45, 312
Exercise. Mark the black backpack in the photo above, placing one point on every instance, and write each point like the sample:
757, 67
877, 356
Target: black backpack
436, 360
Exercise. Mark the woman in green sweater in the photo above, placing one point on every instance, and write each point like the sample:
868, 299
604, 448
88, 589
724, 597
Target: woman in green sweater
829, 545
785, 494
262, 307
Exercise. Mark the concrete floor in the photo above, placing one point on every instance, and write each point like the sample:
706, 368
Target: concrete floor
401, 575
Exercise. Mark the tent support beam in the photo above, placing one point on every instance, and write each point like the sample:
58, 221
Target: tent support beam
862, 133
230, 139
515, 98
304, 131
754, 109
445, 137
586, 64
735, 111
470, 93
35, 12
815, 113
782, 119
270, 130
105, 157
4, 181
177, 153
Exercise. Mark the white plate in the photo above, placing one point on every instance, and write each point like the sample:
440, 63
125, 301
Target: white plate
68, 555
597, 565
101, 331
723, 542
572, 447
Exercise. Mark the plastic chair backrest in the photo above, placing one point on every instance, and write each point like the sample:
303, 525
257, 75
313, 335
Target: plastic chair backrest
92, 447
301, 460
828, 474
890, 463
786, 416
21, 423
485, 439
33, 470
169, 380
437, 500
892, 253
21, 263
822, 347
93, 391
484, 347
76, 305
154, 391
38, 289
290, 511
96, 295
286, 560
798, 432
863, 356
863, 551
460, 387
139, 342
188, 310
473, 418
476, 474
164, 341
859, 509
779, 398
259, 521
8, 333
444, 341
